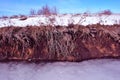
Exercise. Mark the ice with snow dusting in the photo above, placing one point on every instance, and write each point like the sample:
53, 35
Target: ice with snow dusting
88, 70
62, 20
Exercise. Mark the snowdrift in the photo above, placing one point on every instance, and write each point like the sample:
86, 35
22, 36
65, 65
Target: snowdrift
61, 19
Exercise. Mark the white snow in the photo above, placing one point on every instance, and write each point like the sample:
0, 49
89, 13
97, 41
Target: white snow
106, 69
62, 20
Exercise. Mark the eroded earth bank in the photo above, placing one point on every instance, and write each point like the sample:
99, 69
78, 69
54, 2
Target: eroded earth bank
71, 43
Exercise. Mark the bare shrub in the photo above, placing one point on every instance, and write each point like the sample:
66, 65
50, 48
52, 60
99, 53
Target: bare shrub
32, 12
23, 17
54, 11
105, 12
46, 10
14, 16
78, 14
87, 13
4, 17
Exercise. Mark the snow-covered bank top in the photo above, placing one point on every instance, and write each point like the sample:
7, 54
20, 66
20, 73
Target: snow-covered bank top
62, 20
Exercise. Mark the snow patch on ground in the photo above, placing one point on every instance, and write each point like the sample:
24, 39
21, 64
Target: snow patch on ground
63, 20
106, 69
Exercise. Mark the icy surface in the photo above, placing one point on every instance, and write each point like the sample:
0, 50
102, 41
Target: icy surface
88, 70
62, 20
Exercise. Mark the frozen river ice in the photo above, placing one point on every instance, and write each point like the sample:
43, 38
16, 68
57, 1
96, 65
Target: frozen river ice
106, 69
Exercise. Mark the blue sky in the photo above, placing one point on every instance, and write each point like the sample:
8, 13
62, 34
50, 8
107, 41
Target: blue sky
12, 7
